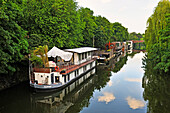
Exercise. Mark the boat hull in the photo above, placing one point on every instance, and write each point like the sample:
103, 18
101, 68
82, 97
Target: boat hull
59, 86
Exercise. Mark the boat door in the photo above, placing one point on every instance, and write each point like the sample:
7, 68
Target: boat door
52, 78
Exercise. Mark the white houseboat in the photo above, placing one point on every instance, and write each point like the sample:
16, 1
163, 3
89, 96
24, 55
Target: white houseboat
66, 67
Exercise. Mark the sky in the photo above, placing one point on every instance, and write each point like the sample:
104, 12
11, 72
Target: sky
132, 14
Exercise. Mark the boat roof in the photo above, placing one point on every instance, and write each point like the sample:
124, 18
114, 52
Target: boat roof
81, 50
58, 52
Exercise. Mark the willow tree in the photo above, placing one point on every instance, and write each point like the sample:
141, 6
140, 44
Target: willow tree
157, 36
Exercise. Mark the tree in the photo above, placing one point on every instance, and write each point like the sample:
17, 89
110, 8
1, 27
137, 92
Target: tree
135, 36
13, 45
120, 32
157, 36
103, 31
89, 24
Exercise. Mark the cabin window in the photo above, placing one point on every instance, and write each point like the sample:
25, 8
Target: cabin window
85, 55
79, 56
75, 73
65, 79
68, 77
41, 76
57, 79
84, 68
82, 56
89, 53
52, 78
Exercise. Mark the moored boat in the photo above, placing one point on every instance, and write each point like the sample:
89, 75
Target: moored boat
64, 68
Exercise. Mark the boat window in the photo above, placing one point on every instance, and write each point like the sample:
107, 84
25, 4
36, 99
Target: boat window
68, 77
79, 56
65, 79
85, 67
85, 55
89, 53
75, 73
57, 79
41, 76
52, 78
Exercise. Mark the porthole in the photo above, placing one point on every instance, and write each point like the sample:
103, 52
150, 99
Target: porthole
41, 76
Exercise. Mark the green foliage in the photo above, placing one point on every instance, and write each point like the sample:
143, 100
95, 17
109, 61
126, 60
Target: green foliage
135, 36
157, 36
56, 21
120, 32
36, 60
103, 31
42, 52
87, 19
13, 45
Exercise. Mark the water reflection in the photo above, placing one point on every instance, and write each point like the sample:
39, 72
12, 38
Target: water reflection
108, 97
134, 103
110, 83
156, 90
133, 79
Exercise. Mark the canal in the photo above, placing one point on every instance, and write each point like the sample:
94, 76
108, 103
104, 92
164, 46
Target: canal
121, 86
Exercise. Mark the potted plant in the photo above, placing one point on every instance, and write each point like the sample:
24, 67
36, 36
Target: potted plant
63, 71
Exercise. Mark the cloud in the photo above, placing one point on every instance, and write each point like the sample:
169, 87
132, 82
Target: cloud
110, 83
134, 103
108, 97
133, 79
105, 1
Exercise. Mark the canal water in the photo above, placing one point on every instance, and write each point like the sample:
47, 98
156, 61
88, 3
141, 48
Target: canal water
116, 87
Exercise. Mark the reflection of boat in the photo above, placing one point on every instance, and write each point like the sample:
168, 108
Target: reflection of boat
61, 101
72, 65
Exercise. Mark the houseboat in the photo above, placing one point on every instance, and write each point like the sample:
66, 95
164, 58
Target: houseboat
61, 101
65, 66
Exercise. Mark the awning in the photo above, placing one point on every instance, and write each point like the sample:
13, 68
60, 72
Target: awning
81, 50
58, 52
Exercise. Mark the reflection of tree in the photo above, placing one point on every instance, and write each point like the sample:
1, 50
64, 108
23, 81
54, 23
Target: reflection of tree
103, 77
120, 64
100, 80
82, 101
156, 90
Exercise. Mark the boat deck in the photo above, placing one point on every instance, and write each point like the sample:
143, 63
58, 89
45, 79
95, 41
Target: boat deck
71, 68
67, 69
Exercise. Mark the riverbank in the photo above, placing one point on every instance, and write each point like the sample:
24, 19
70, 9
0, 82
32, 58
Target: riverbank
10, 80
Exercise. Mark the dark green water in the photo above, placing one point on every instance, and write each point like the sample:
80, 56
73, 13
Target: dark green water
115, 88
